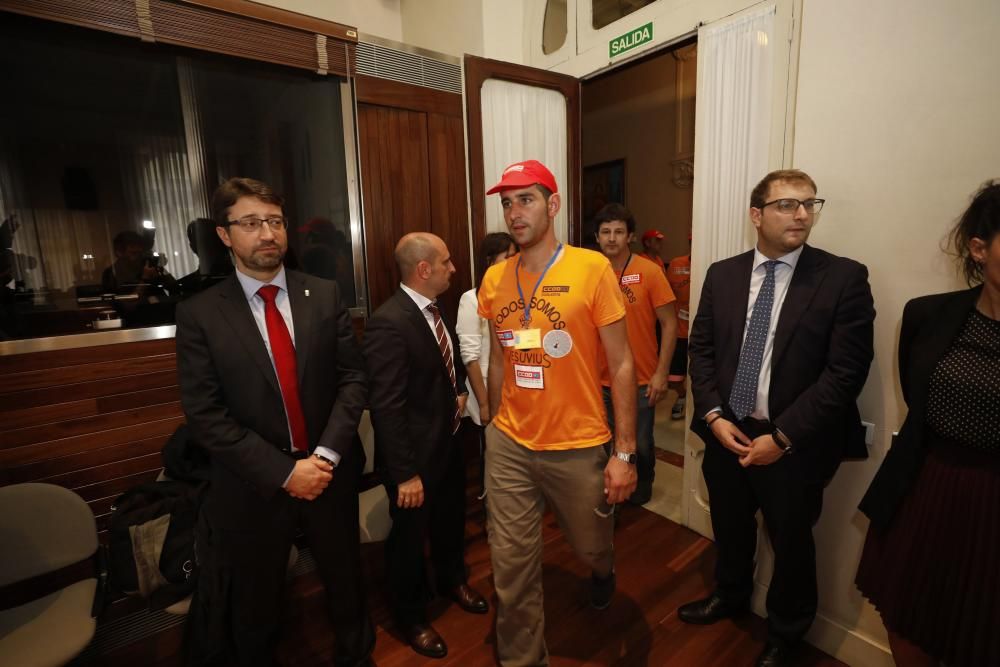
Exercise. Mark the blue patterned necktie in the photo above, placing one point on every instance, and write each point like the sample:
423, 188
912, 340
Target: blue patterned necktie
743, 398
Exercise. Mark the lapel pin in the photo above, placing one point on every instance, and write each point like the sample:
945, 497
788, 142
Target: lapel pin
307, 292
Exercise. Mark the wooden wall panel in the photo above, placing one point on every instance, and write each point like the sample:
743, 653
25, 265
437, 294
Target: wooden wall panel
90, 419
446, 149
412, 164
161, 380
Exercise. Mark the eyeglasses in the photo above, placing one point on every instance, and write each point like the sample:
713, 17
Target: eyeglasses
251, 224
792, 205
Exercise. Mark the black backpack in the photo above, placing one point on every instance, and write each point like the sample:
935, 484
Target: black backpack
151, 542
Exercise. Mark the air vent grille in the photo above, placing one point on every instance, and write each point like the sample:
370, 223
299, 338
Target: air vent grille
412, 68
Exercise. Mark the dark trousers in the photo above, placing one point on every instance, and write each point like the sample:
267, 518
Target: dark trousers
235, 613
791, 506
441, 521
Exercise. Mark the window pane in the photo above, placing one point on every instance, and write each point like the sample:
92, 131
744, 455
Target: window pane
609, 11
109, 151
554, 28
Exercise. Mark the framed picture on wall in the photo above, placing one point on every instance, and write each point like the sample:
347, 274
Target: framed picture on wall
603, 183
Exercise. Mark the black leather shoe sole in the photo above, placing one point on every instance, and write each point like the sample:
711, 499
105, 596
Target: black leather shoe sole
709, 611
481, 607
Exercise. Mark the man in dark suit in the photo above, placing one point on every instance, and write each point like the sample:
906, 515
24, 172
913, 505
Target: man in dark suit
417, 399
780, 350
273, 386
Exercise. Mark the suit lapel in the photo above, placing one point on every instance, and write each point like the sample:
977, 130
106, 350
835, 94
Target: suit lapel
808, 275
235, 309
419, 322
737, 301
301, 318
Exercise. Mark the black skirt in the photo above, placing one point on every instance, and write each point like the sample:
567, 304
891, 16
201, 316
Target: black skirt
934, 575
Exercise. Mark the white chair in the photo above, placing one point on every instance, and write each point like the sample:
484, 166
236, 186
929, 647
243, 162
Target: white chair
44, 528
373, 514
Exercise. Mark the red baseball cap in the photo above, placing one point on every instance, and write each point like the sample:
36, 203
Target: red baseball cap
652, 234
523, 175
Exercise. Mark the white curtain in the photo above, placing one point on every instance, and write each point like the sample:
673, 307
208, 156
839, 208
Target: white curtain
733, 121
158, 185
732, 143
522, 123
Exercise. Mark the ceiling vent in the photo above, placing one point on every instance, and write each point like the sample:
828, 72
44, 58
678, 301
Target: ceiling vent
418, 69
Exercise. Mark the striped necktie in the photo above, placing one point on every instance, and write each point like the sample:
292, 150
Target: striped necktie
448, 357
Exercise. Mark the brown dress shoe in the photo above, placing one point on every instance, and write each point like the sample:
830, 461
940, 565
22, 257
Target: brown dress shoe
469, 599
426, 641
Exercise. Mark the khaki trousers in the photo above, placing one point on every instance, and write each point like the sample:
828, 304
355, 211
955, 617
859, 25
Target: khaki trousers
519, 481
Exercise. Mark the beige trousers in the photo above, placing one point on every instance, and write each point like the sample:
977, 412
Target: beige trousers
519, 482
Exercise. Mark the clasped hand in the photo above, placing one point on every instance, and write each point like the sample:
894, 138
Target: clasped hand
309, 478
760, 451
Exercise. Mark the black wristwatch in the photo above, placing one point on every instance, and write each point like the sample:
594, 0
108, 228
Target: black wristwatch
323, 458
782, 441
629, 458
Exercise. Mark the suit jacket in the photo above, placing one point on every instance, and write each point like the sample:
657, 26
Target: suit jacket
822, 352
412, 400
232, 400
930, 325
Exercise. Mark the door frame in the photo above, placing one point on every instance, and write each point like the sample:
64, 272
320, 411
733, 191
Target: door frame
477, 71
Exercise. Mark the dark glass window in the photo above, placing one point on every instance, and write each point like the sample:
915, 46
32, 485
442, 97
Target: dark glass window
110, 149
606, 12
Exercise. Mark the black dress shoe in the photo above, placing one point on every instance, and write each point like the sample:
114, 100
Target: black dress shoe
426, 641
775, 655
469, 599
602, 589
708, 611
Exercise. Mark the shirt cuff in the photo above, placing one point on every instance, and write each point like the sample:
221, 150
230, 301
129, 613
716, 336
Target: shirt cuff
715, 410
327, 453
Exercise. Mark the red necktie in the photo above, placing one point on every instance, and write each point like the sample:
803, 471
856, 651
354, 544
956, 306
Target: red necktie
448, 357
284, 363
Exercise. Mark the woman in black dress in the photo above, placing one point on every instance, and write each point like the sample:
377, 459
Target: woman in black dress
931, 561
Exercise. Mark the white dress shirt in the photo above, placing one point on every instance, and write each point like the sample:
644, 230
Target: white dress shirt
783, 272
473, 343
250, 288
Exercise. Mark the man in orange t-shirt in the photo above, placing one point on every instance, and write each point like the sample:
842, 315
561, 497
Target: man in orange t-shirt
647, 301
554, 311
652, 240
679, 276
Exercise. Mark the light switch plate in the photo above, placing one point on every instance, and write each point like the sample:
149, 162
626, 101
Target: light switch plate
869, 433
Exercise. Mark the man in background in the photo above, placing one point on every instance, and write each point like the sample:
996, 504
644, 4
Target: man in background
679, 276
648, 301
652, 242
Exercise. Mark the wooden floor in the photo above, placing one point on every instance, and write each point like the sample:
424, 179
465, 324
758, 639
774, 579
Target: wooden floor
660, 565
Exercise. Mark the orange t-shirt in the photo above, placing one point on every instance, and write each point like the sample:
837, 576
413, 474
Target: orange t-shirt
679, 275
645, 289
551, 396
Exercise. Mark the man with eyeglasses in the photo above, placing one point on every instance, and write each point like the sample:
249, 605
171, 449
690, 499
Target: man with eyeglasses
780, 349
273, 386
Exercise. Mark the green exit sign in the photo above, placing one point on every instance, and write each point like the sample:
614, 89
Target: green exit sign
630, 40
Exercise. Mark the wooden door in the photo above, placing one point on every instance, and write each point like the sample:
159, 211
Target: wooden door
412, 156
